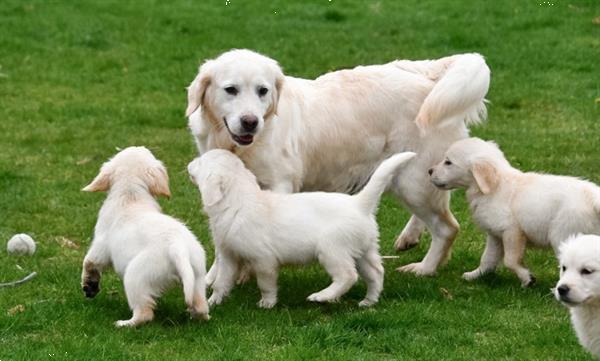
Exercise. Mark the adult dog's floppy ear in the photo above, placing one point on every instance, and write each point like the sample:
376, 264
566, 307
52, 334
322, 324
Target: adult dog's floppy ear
276, 93
485, 176
198, 87
158, 181
212, 190
102, 181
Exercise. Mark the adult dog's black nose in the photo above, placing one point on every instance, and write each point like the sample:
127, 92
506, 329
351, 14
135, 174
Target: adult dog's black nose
249, 122
563, 290
430, 171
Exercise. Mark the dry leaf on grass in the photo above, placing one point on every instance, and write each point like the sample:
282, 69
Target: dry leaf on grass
596, 20
447, 295
67, 243
17, 309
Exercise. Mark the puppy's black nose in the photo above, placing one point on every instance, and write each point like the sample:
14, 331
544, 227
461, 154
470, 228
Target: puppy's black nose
249, 122
430, 171
563, 290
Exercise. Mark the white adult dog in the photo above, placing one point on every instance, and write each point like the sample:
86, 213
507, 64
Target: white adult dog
147, 248
514, 207
329, 134
267, 230
579, 287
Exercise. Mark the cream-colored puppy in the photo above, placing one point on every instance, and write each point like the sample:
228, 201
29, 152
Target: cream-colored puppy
514, 207
267, 230
579, 287
329, 134
148, 249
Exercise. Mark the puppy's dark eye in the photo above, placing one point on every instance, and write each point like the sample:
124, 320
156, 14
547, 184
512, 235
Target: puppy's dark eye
563, 268
262, 91
586, 271
447, 162
231, 90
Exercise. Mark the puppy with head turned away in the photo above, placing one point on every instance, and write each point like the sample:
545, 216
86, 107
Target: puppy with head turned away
148, 249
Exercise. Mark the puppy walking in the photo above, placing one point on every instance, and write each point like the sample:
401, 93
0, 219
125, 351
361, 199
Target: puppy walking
514, 207
267, 230
148, 249
579, 288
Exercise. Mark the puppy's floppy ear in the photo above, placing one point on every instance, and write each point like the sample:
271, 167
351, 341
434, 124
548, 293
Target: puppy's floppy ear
102, 181
197, 88
158, 181
485, 175
212, 190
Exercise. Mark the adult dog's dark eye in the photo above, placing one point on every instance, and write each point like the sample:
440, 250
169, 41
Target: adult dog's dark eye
586, 271
231, 90
262, 91
447, 162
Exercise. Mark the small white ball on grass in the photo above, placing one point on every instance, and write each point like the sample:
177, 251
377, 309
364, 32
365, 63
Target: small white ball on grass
21, 244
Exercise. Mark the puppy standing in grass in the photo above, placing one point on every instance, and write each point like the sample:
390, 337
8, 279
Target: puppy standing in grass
514, 207
266, 229
579, 287
148, 249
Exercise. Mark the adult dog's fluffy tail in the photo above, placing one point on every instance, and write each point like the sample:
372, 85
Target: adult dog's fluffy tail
461, 83
368, 197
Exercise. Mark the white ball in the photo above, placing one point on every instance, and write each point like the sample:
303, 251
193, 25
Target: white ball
21, 244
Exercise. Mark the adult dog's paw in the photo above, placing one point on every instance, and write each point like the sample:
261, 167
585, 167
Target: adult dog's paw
417, 268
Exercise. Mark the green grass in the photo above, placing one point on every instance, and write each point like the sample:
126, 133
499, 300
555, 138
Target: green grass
78, 79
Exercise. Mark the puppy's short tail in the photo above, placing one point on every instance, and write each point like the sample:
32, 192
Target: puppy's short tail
368, 197
182, 263
461, 83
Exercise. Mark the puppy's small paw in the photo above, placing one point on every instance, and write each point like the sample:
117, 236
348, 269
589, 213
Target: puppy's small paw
318, 297
417, 268
263, 303
366, 303
91, 288
215, 299
124, 323
530, 282
473, 275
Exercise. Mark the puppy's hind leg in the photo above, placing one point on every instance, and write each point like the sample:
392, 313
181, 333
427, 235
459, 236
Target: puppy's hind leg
371, 270
140, 294
191, 282
492, 255
410, 235
342, 270
199, 308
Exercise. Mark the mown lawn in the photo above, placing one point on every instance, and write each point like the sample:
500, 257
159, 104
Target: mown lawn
80, 78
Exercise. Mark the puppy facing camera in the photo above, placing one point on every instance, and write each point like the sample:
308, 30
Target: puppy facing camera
148, 249
579, 287
21, 244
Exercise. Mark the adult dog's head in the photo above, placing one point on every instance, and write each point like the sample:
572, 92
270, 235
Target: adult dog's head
469, 162
579, 282
237, 93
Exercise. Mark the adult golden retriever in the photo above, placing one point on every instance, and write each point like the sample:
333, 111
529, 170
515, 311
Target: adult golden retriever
329, 134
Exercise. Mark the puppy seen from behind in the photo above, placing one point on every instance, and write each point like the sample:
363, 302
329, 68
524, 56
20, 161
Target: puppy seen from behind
513, 207
148, 249
266, 230
579, 287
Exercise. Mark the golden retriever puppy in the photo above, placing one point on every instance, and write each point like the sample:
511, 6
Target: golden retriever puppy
329, 134
579, 287
148, 249
514, 207
267, 230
